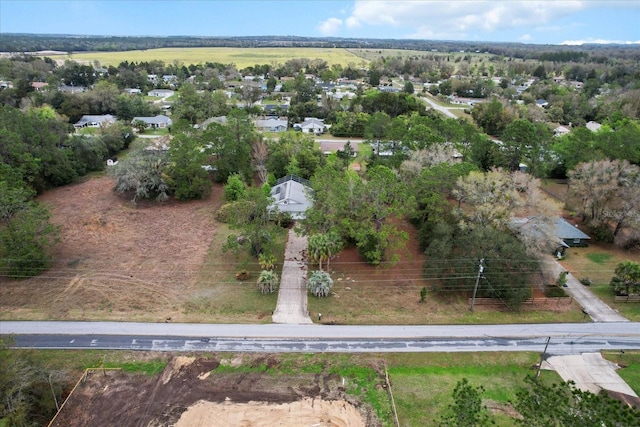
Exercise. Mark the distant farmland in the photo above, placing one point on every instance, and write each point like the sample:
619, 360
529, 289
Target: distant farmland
241, 57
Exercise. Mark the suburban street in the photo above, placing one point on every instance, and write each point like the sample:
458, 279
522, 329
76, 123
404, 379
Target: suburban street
574, 338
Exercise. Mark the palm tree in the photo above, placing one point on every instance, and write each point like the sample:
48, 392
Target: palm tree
320, 283
268, 282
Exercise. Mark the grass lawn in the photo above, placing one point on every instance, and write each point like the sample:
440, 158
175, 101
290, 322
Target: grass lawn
629, 363
630, 310
220, 297
423, 383
241, 57
597, 261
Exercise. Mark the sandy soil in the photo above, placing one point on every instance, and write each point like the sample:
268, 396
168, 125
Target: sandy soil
311, 412
122, 261
191, 392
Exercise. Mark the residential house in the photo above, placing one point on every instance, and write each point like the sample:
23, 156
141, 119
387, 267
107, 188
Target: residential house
275, 109
328, 147
542, 103
132, 91
311, 125
161, 93
95, 121
221, 120
156, 122
291, 195
561, 130
272, 124
38, 86
593, 126
565, 235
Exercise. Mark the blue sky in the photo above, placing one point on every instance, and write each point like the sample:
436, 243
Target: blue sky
546, 21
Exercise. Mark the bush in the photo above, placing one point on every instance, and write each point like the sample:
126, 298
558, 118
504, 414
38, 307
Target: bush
601, 232
285, 220
243, 275
586, 281
555, 292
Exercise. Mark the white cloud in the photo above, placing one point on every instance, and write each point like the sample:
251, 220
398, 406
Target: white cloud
525, 38
457, 19
330, 27
598, 41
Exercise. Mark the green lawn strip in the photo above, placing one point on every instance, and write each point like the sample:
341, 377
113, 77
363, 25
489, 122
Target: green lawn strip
221, 298
423, 383
630, 310
599, 258
629, 363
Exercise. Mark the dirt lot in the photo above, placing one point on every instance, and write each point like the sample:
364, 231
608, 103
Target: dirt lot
191, 392
115, 260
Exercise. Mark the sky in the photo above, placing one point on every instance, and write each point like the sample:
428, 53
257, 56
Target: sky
538, 22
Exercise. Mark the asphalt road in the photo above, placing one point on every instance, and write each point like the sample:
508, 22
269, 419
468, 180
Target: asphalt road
565, 338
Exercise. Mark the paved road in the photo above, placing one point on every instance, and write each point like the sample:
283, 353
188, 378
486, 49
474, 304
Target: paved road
565, 338
292, 294
595, 308
443, 110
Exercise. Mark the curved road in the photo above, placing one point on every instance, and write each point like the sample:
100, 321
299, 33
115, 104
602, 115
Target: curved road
572, 338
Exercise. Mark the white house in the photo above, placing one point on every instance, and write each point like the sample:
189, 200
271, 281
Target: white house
292, 195
593, 126
156, 122
311, 125
561, 130
95, 121
271, 124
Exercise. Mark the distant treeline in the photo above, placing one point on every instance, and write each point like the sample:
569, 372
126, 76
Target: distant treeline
74, 43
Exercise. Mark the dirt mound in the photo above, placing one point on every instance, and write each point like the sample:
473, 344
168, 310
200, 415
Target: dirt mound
308, 411
194, 392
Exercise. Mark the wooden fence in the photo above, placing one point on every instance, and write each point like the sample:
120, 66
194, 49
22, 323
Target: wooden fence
627, 298
530, 301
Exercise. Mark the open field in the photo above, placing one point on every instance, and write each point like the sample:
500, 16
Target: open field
241, 57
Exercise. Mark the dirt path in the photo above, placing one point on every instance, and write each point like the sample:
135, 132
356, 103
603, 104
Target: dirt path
590, 372
593, 306
292, 296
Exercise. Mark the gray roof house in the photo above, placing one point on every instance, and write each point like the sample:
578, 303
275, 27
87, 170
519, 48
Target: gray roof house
156, 122
271, 124
292, 195
565, 234
570, 234
311, 125
95, 121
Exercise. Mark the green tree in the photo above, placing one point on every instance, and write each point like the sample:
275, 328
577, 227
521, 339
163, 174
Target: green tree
143, 172
268, 282
230, 145
627, 278
26, 235
467, 409
319, 283
186, 176
235, 189
323, 247
564, 405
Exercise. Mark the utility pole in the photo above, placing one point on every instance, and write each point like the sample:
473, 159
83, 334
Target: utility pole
542, 357
475, 288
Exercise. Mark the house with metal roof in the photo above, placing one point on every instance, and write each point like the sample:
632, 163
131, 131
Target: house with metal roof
292, 195
272, 124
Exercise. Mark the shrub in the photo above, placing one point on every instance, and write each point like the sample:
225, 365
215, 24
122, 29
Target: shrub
243, 275
268, 282
320, 283
586, 281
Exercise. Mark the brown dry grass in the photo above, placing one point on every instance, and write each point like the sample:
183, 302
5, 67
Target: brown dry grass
115, 261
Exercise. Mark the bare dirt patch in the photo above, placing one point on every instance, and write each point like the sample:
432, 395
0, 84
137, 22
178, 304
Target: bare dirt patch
184, 396
115, 260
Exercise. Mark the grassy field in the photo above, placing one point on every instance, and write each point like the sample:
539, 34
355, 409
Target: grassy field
240, 57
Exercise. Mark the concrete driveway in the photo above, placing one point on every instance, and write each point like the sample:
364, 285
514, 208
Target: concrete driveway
292, 295
590, 371
594, 307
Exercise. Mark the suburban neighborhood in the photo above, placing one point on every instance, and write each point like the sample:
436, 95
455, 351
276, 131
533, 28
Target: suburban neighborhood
384, 200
